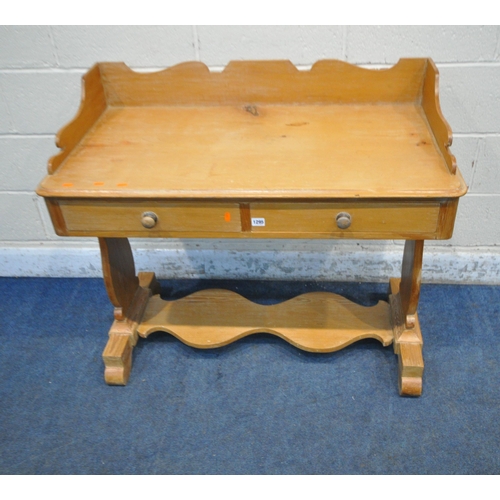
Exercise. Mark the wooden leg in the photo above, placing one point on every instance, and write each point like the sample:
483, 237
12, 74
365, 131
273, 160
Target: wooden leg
411, 278
404, 298
129, 294
118, 269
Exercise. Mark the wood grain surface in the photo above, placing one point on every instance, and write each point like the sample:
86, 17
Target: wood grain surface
259, 82
327, 151
258, 129
371, 219
316, 322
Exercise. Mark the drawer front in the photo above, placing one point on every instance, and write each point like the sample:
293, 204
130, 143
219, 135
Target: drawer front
130, 218
389, 219
425, 219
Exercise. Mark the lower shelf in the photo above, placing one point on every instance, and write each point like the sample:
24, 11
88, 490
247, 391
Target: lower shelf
316, 322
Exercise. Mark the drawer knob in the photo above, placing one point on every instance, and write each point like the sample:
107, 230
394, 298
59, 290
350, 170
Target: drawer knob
149, 219
343, 220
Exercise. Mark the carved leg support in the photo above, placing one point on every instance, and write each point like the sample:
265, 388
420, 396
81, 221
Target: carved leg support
117, 357
411, 369
129, 294
404, 298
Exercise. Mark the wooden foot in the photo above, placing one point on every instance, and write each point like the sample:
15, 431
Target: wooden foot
117, 355
403, 298
117, 358
407, 345
411, 369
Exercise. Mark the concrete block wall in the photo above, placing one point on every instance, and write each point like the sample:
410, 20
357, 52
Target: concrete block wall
40, 85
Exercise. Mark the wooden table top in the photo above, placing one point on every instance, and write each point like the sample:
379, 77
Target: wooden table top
332, 151
257, 130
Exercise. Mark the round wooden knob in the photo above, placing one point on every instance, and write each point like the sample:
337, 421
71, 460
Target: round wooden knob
149, 219
343, 220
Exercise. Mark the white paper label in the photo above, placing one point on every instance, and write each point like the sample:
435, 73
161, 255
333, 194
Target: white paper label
258, 221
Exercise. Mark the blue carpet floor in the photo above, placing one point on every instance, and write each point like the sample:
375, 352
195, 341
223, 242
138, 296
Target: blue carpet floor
258, 406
